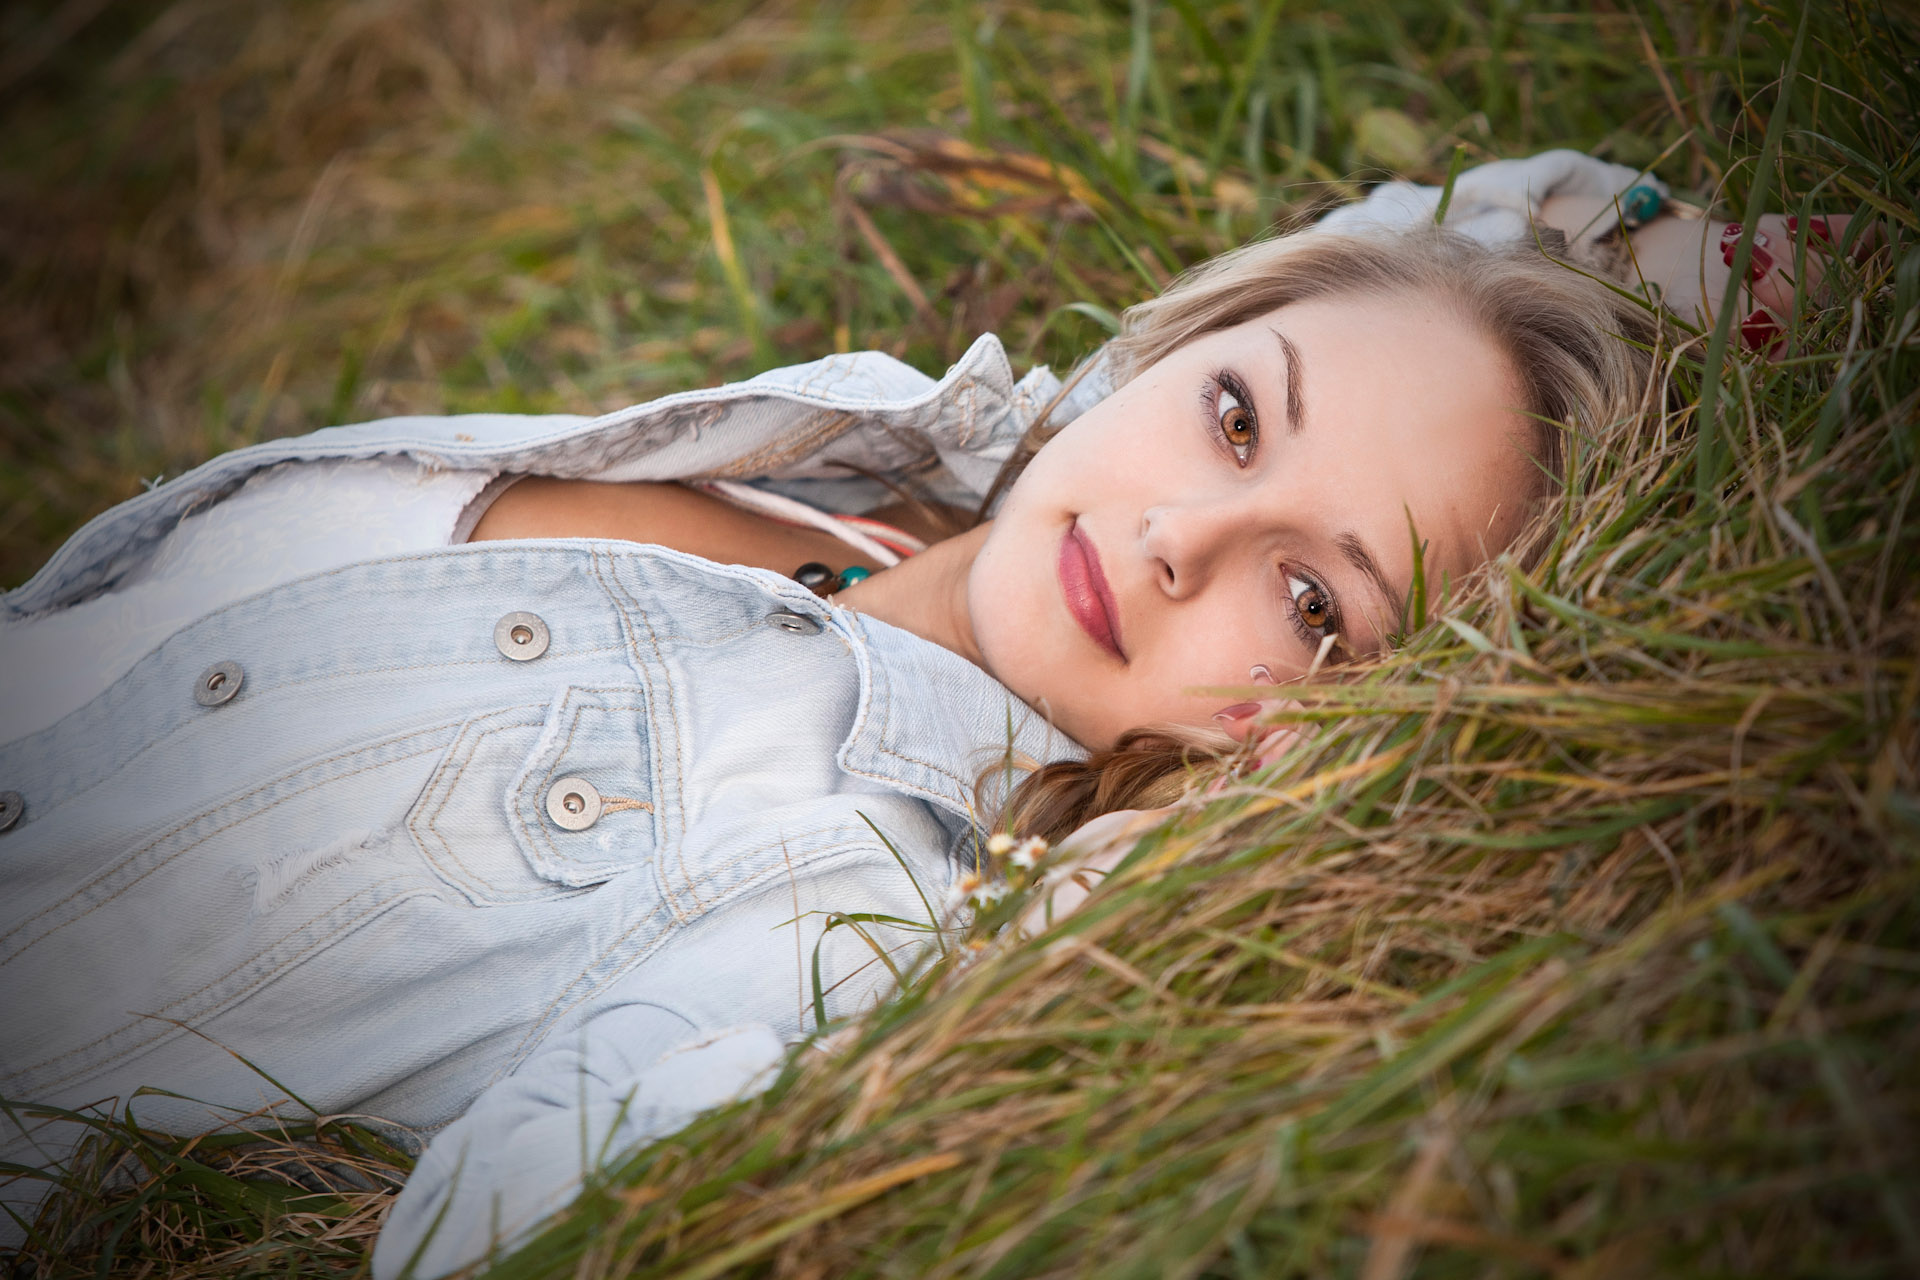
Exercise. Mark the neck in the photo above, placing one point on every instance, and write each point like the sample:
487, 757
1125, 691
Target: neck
926, 594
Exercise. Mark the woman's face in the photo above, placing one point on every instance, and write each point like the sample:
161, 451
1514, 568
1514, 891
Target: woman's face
1242, 499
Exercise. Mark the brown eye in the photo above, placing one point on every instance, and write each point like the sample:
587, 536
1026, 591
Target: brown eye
1237, 426
1311, 604
1233, 417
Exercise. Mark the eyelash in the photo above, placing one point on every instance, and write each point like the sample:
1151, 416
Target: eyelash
1223, 385
1298, 584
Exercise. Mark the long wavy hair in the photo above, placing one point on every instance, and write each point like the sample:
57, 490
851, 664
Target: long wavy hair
1579, 350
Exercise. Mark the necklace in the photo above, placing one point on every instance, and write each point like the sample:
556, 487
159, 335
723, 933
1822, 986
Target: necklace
823, 581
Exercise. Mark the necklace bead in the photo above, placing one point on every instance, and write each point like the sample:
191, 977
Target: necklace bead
823, 581
816, 577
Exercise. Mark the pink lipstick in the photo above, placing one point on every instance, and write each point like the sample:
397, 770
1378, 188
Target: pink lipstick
1088, 597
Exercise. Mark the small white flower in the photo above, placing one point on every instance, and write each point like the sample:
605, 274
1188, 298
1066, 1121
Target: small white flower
1028, 852
962, 890
988, 894
999, 844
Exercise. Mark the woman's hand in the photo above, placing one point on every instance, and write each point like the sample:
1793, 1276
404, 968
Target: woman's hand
1251, 722
1690, 261
1083, 860
1086, 857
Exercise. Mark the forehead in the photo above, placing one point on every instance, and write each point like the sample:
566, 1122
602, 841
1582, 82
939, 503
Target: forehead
1407, 414
1409, 361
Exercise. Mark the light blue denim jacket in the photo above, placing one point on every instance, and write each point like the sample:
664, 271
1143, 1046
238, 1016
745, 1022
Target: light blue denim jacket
350, 874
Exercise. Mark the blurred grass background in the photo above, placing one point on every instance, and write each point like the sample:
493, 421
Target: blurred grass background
1582, 942
224, 221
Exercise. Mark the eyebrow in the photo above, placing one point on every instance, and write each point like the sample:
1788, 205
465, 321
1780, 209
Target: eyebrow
1356, 552
1296, 402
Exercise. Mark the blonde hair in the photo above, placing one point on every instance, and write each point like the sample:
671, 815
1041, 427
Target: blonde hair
1579, 353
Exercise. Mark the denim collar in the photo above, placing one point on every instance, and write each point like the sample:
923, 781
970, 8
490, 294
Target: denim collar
931, 723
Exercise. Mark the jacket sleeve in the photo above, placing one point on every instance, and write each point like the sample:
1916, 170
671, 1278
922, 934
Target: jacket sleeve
632, 1073
1495, 202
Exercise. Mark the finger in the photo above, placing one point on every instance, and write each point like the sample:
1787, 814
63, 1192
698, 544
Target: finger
1787, 257
1277, 744
1245, 721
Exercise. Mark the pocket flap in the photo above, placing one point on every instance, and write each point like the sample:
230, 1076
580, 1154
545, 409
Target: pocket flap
598, 736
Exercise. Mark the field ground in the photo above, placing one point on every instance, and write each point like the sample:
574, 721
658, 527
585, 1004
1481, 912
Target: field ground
1582, 942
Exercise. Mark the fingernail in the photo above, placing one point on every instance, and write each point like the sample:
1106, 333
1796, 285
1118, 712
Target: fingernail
1759, 330
1238, 711
1759, 264
1819, 227
1730, 232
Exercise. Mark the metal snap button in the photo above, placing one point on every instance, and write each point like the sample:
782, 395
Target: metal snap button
573, 804
218, 683
798, 623
521, 636
12, 806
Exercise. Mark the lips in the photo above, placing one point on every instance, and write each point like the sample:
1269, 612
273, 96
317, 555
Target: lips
1088, 597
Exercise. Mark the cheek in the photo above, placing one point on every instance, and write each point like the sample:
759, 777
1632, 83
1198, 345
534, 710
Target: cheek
1219, 649
1007, 604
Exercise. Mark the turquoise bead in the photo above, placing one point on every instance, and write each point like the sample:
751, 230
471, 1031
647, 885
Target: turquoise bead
853, 574
1639, 205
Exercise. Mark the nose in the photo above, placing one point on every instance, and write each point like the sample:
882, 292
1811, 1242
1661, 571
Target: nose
1186, 543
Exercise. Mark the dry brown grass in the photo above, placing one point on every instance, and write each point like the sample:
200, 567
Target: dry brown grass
1580, 941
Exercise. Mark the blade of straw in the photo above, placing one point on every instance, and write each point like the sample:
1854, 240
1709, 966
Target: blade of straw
1707, 442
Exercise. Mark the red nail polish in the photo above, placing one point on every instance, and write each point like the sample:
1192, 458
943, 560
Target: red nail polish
1759, 330
1726, 251
1730, 232
1758, 264
1817, 226
1238, 711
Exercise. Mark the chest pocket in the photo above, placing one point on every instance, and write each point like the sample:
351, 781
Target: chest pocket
539, 801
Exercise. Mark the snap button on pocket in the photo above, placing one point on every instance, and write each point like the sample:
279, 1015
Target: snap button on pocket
798, 623
573, 804
521, 636
218, 683
12, 805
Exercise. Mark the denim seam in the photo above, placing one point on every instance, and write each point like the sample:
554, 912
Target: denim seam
679, 744
425, 666
442, 785
536, 832
178, 828
799, 441
884, 744
756, 879
188, 718
174, 1027
543, 1024
713, 870
619, 596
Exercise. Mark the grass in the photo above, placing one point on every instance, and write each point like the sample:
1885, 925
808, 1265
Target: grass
1582, 941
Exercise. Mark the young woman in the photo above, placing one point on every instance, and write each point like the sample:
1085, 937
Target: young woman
467, 773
